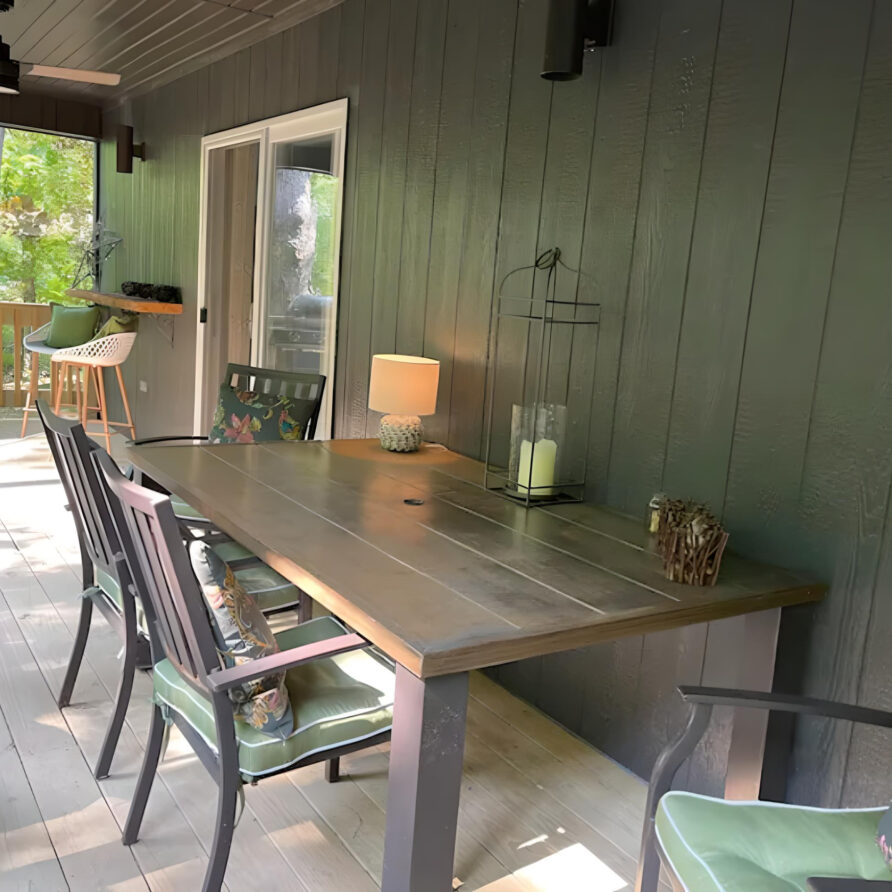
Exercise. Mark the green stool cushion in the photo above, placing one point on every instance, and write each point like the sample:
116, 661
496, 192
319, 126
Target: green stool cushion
118, 325
71, 326
714, 844
336, 701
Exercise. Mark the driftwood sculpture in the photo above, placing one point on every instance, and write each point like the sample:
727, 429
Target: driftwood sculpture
691, 542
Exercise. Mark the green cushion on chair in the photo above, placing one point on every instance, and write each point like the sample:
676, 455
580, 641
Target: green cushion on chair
110, 586
230, 551
336, 700
270, 590
71, 326
714, 844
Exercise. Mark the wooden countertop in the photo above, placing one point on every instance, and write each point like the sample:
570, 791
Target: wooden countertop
466, 579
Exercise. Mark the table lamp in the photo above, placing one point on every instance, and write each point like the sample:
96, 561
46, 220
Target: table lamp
404, 387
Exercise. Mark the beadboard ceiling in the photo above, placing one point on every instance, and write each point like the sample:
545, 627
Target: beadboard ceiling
148, 42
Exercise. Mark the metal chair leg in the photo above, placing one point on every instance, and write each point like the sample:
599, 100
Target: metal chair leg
146, 776
667, 764
122, 701
77, 652
333, 770
227, 800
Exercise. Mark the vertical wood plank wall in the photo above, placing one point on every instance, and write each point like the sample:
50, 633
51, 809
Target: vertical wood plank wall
722, 176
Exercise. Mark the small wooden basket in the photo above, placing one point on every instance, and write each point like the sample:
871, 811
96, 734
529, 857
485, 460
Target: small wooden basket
691, 542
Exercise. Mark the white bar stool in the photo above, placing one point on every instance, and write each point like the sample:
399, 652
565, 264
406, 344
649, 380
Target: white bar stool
108, 352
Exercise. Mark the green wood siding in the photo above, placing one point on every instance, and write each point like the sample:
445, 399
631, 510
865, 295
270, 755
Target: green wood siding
723, 177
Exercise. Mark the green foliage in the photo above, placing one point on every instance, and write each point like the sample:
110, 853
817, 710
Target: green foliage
46, 213
323, 191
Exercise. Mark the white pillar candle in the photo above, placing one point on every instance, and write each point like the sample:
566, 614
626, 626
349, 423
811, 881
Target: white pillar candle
535, 470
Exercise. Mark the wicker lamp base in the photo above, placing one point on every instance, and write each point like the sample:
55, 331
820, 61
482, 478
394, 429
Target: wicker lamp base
400, 433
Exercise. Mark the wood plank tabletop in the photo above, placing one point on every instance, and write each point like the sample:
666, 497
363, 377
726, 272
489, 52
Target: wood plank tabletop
464, 580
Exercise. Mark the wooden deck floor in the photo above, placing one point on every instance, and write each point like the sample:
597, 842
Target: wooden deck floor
540, 810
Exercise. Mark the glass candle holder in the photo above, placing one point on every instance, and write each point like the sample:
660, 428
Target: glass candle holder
537, 435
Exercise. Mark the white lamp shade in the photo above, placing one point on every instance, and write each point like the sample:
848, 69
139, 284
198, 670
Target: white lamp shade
403, 385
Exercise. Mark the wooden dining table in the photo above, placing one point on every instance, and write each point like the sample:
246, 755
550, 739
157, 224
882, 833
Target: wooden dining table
446, 577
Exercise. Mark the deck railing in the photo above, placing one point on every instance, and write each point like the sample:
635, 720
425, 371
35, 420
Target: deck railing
16, 320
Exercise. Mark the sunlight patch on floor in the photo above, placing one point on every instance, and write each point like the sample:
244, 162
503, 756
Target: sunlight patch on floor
574, 869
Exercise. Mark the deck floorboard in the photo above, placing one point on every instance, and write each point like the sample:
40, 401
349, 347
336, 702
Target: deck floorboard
540, 809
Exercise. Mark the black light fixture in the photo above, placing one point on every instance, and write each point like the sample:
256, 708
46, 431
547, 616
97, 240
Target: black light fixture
9, 72
127, 149
6, 5
575, 27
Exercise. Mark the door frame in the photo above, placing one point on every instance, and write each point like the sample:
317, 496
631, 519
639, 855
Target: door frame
330, 117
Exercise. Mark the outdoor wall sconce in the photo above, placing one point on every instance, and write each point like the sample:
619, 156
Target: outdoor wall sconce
575, 27
127, 149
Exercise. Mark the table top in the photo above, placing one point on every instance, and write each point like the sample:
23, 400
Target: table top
464, 580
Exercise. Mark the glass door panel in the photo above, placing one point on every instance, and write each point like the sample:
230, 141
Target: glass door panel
298, 315
271, 192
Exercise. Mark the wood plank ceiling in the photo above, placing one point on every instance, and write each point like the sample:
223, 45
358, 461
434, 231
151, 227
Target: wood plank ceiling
148, 42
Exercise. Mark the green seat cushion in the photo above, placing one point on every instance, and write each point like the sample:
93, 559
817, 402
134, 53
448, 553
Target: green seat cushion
270, 590
184, 510
109, 584
71, 326
230, 550
714, 844
336, 700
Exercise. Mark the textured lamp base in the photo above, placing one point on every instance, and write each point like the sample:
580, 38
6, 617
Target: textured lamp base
400, 433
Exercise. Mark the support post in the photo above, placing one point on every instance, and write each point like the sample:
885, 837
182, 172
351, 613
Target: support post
755, 672
424, 784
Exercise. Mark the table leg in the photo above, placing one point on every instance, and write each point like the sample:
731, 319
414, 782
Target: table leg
755, 672
424, 782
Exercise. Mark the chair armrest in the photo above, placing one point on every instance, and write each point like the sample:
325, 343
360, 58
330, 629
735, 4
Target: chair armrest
225, 679
166, 440
847, 884
786, 703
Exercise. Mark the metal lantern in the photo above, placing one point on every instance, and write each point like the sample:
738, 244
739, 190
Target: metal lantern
540, 389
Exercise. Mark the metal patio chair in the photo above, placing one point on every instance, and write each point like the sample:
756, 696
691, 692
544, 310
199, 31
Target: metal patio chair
105, 576
306, 389
341, 694
706, 843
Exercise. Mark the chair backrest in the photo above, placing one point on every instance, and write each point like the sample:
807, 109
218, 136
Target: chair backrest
305, 388
71, 448
162, 573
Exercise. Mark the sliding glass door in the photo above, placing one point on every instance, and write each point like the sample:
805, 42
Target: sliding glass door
293, 240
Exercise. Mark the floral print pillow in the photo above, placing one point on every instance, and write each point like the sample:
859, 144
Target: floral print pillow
243, 416
884, 837
242, 634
